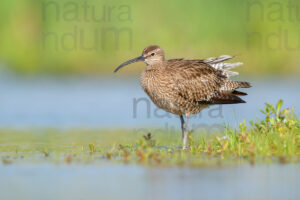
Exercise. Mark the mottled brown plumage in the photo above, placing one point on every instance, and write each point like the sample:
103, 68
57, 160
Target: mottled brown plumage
185, 87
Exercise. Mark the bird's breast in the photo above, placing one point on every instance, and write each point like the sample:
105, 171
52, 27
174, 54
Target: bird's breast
159, 88
150, 83
154, 85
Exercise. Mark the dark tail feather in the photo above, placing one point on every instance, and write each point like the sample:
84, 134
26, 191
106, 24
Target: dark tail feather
238, 93
226, 98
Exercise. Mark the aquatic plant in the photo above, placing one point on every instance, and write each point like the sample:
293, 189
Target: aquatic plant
275, 138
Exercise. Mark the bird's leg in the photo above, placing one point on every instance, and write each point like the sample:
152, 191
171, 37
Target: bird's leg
185, 131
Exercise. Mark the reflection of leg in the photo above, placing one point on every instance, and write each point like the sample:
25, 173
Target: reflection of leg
185, 132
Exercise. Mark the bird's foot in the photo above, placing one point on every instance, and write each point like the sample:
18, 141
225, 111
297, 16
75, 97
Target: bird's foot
185, 148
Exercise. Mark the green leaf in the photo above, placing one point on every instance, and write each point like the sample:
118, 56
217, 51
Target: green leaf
278, 106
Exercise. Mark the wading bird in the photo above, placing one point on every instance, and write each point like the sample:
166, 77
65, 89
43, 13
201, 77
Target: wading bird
185, 87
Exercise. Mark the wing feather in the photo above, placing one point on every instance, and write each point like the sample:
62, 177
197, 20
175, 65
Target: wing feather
198, 82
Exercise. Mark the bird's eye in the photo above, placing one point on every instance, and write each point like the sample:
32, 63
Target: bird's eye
152, 54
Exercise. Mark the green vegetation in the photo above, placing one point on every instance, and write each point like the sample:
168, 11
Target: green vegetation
68, 37
273, 139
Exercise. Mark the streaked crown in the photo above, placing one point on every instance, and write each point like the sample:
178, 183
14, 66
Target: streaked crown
153, 54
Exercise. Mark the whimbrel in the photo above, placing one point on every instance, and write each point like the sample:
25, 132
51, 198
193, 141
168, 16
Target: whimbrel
185, 87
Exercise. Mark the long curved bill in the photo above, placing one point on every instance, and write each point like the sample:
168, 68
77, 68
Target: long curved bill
140, 58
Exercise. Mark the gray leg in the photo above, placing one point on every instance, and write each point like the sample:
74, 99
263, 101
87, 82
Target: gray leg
185, 131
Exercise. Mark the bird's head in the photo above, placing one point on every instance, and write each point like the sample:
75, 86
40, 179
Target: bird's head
151, 55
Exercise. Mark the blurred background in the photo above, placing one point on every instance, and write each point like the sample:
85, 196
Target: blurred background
57, 57
58, 93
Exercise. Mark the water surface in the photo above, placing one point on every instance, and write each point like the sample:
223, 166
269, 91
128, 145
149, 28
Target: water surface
72, 182
109, 103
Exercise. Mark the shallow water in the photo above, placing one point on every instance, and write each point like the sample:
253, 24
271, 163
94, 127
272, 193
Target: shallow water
47, 182
109, 103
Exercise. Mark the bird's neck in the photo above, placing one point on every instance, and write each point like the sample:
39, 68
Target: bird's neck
156, 66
